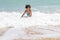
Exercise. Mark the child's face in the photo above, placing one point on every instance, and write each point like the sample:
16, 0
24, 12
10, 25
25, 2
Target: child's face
28, 8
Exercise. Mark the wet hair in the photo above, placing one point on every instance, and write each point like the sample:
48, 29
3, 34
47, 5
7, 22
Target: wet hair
27, 6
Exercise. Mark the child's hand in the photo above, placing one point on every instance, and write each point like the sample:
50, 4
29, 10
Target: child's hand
21, 16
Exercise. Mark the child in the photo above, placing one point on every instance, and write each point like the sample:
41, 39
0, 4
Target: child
27, 11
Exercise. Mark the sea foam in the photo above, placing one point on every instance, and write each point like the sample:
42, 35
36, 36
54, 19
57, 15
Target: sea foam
38, 18
38, 22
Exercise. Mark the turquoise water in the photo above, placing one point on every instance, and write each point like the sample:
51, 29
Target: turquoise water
11, 5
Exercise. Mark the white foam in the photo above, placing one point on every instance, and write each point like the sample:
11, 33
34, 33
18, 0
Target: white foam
13, 19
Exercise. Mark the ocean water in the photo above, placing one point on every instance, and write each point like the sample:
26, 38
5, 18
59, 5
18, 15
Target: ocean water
47, 6
45, 18
11, 11
47, 24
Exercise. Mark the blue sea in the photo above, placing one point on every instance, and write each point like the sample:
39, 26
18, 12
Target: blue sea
37, 5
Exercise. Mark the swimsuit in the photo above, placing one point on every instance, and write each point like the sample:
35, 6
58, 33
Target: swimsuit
28, 14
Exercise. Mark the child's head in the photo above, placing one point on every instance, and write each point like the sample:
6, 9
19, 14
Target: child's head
27, 6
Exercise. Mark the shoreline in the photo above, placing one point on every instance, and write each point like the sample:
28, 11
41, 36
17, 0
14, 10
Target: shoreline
57, 38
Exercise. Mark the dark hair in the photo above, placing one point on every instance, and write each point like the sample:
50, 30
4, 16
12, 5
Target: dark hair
27, 6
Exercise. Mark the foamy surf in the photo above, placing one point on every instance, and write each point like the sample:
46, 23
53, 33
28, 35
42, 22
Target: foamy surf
38, 20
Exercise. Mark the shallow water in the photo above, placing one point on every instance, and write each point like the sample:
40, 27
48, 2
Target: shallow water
41, 25
14, 19
45, 19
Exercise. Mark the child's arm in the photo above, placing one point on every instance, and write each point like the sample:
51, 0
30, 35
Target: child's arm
30, 13
23, 14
